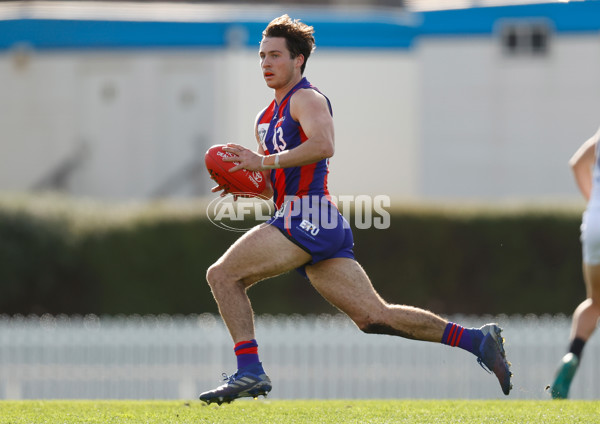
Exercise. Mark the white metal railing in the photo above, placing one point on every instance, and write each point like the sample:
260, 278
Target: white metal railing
164, 357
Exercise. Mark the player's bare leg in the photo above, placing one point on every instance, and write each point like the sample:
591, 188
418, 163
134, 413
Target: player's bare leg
585, 317
261, 253
585, 320
345, 284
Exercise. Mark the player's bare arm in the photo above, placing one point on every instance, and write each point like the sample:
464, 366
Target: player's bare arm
311, 110
582, 163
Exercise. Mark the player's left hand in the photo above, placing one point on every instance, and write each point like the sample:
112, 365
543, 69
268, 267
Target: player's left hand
220, 188
247, 158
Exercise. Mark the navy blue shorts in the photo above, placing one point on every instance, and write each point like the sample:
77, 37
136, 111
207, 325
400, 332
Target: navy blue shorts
315, 225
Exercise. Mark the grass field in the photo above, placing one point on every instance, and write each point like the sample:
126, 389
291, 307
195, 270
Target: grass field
301, 411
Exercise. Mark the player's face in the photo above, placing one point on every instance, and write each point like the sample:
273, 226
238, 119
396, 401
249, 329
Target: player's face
278, 68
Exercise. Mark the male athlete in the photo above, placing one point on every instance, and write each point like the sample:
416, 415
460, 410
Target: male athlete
295, 141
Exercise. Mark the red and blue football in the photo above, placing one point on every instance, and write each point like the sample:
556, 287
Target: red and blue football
239, 182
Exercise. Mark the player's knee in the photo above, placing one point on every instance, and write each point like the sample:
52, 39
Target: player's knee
594, 303
214, 275
220, 279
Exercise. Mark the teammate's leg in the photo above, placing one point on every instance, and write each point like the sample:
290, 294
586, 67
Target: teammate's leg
345, 284
261, 253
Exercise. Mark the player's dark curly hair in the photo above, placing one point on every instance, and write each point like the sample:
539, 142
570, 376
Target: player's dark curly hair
299, 36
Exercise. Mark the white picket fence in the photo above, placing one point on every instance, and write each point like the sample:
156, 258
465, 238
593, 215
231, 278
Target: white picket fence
321, 357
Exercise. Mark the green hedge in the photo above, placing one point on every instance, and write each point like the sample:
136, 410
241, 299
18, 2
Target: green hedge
495, 263
78, 258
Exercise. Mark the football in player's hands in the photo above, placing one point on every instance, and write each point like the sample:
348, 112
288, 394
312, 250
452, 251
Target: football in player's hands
242, 183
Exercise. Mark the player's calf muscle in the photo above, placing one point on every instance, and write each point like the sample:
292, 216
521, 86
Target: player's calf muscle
404, 321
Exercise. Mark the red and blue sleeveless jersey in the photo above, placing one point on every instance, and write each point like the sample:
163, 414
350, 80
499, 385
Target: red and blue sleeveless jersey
278, 132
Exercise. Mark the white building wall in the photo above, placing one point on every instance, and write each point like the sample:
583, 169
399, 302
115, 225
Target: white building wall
37, 105
496, 126
120, 125
146, 122
450, 118
375, 95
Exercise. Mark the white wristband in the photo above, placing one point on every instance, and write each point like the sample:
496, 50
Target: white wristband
275, 164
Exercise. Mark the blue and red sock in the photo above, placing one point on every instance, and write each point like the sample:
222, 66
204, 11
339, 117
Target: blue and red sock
246, 353
465, 338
